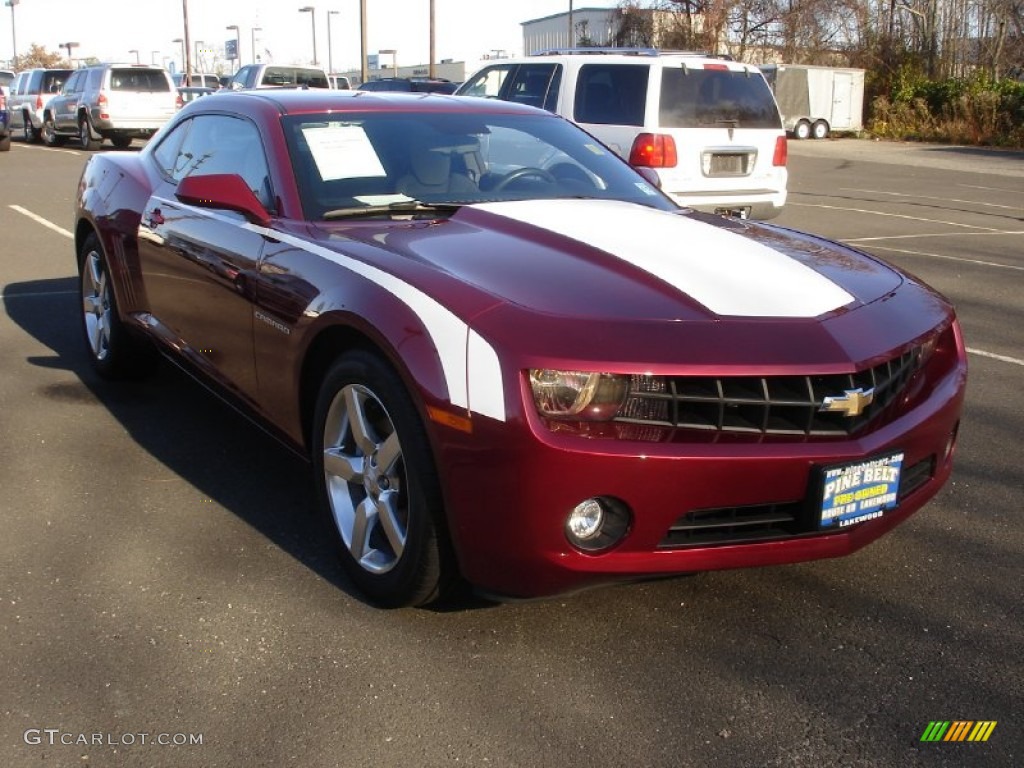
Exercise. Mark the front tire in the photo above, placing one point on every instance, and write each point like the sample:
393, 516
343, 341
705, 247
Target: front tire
376, 484
5, 144
802, 130
113, 351
121, 142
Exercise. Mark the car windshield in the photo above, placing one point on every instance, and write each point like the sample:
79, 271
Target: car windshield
367, 162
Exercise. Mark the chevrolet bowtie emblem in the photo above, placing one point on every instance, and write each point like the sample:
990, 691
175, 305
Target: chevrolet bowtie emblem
852, 403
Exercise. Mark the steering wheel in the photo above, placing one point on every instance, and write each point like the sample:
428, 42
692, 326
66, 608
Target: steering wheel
520, 173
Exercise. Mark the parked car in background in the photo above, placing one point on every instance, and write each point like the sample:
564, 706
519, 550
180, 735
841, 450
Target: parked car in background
340, 82
506, 354
5, 124
709, 126
815, 101
409, 84
191, 93
197, 80
118, 102
278, 76
6, 78
29, 94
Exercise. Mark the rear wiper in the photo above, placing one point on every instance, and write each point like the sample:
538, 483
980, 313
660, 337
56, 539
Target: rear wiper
403, 207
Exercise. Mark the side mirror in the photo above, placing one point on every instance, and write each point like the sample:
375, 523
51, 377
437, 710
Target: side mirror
224, 191
650, 175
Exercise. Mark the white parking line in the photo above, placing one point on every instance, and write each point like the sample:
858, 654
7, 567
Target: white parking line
847, 209
994, 356
925, 197
1014, 267
990, 189
45, 222
933, 234
44, 147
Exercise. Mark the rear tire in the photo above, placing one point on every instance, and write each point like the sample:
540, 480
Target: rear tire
31, 135
377, 486
5, 144
85, 139
820, 129
121, 142
49, 133
113, 351
802, 130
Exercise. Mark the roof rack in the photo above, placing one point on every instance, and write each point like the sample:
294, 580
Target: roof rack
628, 52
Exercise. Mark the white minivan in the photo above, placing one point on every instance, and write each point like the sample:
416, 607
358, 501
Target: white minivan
709, 126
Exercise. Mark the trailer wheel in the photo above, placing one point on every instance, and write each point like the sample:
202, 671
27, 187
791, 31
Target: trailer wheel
802, 130
820, 129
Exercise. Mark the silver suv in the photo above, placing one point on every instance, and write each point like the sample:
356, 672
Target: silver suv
119, 102
29, 94
278, 76
709, 126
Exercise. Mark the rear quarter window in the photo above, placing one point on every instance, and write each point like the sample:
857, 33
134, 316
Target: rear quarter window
700, 98
611, 94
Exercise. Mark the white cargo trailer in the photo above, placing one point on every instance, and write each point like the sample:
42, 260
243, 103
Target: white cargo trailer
814, 101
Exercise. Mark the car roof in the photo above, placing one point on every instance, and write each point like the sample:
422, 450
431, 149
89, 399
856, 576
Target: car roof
313, 100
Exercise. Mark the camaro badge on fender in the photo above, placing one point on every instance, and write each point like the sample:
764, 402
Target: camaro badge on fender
852, 403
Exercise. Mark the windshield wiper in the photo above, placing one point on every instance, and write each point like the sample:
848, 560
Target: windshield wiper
403, 207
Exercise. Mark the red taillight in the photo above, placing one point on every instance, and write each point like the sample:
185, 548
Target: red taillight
101, 102
39, 101
3, 100
178, 101
653, 150
781, 152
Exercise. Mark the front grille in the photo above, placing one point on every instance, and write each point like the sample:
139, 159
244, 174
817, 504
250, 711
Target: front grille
768, 522
733, 525
768, 405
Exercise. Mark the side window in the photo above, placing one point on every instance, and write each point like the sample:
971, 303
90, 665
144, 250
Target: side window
74, 83
95, 80
611, 94
488, 83
536, 85
223, 144
166, 153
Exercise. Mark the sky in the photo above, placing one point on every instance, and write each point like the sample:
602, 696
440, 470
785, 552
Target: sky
466, 30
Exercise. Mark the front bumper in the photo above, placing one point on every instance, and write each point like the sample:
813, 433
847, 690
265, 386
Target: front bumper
508, 502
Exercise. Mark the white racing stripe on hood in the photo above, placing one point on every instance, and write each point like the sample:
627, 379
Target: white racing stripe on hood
729, 274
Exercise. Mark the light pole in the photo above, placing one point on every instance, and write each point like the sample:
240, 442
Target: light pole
186, 47
330, 47
312, 16
14, 40
183, 63
255, 58
69, 46
394, 58
432, 70
136, 52
363, 68
238, 43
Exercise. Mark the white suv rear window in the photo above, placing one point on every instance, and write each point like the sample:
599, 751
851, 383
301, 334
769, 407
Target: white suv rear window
703, 98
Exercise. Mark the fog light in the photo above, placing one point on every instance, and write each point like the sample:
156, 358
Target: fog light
597, 523
585, 521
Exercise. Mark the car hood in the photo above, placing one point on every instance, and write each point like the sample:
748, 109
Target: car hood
614, 260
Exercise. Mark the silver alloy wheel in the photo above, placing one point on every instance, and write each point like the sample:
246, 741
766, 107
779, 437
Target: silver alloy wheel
364, 475
96, 304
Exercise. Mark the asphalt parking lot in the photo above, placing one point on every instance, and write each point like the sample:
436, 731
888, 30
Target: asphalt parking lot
160, 573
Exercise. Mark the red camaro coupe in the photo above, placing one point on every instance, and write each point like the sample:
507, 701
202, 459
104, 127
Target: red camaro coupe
507, 355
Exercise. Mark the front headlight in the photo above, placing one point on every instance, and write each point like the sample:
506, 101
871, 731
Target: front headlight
578, 394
